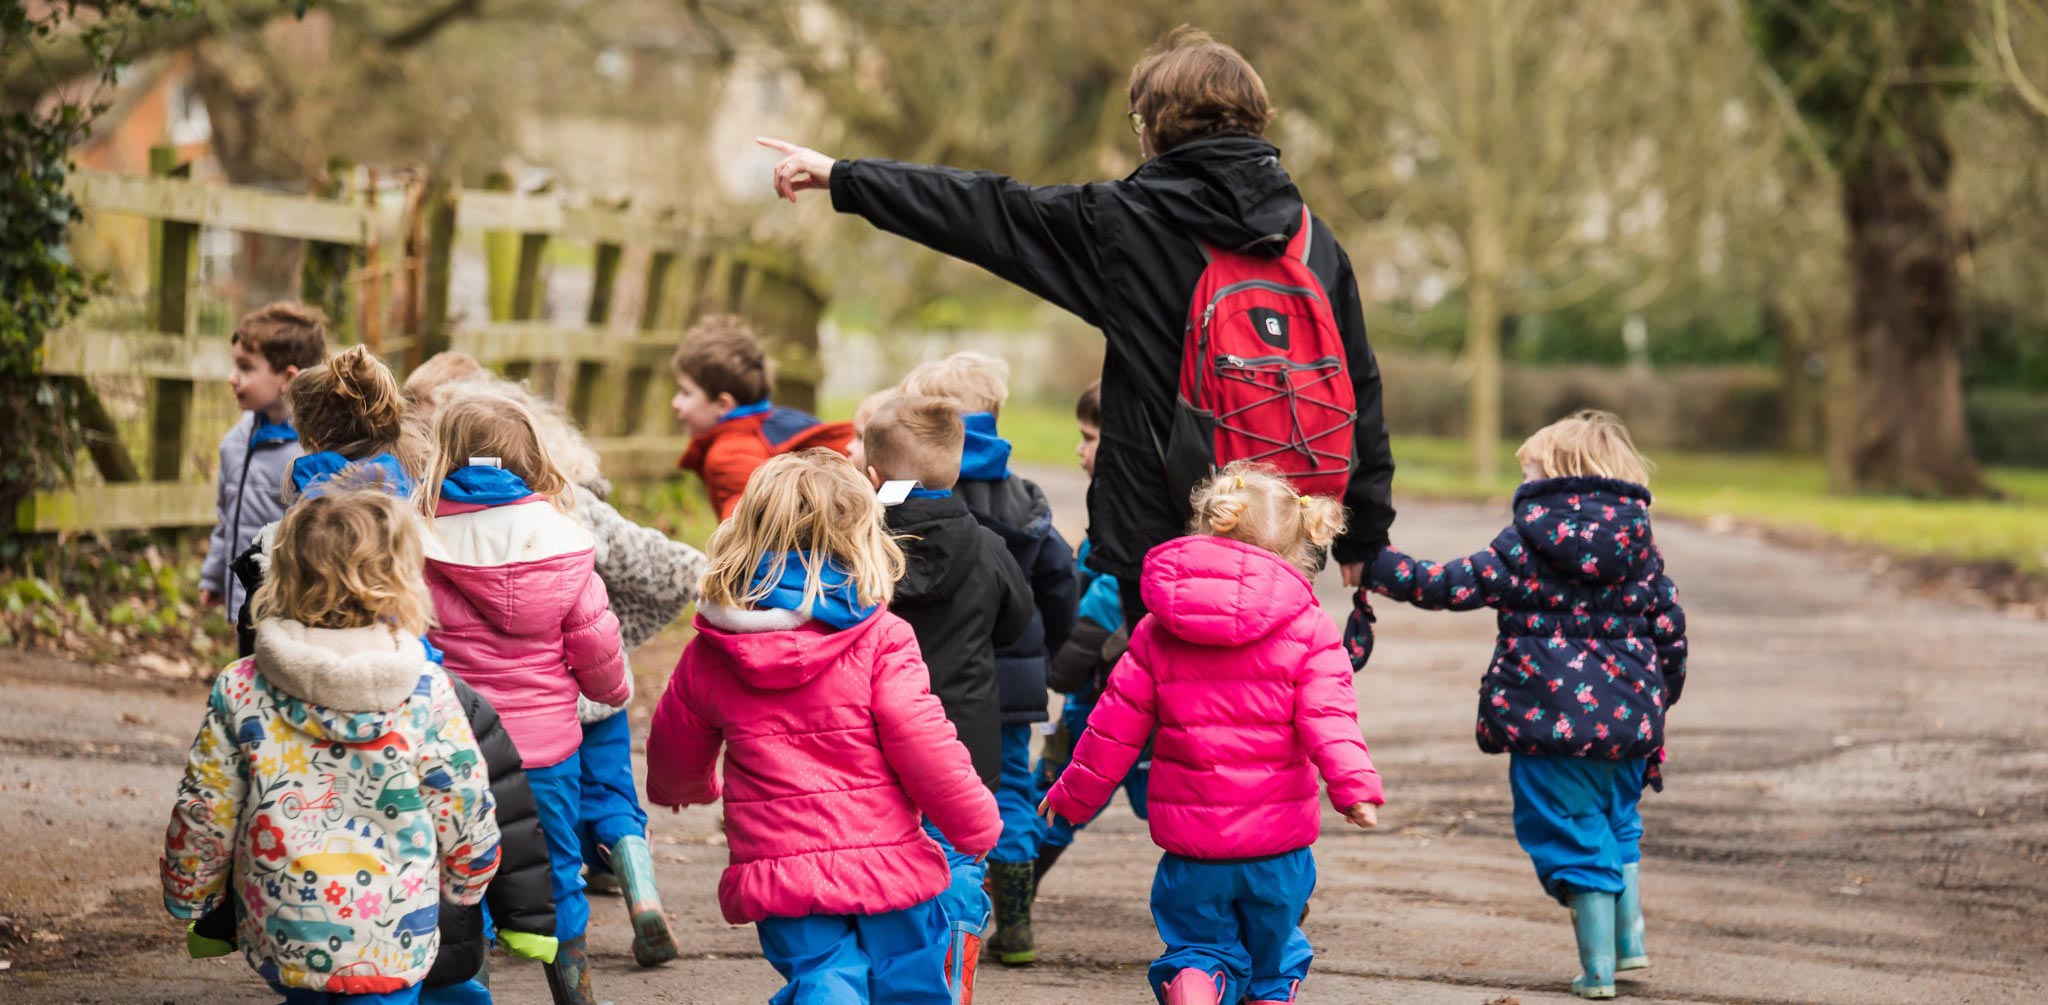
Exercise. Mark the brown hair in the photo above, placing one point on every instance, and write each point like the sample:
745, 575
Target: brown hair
1089, 408
284, 334
486, 422
721, 355
814, 504
1190, 86
1587, 442
345, 558
1251, 503
918, 439
351, 405
976, 381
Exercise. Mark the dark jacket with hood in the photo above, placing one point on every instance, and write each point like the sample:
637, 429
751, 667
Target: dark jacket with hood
519, 896
1124, 256
1592, 640
1018, 512
963, 596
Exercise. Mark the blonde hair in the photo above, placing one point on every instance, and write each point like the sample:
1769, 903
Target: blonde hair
1587, 442
813, 503
345, 558
916, 438
976, 381
486, 422
572, 453
423, 385
1251, 503
864, 412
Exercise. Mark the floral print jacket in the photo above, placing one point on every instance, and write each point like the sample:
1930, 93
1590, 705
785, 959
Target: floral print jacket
336, 780
1592, 640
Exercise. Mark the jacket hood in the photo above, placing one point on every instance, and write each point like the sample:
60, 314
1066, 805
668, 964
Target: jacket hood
1593, 530
521, 565
1014, 508
984, 454
945, 549
1219, 592
340, 683
771, 649
1228, 191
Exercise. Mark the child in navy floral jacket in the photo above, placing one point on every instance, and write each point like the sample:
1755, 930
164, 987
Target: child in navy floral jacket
1591, 653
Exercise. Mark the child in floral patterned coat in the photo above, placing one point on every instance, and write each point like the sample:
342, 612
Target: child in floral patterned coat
1591, 653
334, 783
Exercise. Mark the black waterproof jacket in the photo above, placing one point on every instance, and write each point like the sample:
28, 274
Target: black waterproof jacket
963, 596
519, 896
1124, 256
1018, 512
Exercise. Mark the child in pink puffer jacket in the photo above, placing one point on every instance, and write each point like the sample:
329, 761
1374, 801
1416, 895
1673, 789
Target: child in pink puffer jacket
1245, 682
834, 743
521, 616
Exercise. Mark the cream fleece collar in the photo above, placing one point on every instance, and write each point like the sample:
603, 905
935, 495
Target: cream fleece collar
369, 669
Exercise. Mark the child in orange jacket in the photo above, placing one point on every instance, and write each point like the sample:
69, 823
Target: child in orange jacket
722, 385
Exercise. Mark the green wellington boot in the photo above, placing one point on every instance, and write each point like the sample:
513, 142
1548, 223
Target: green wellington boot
633, 863
569, 976
1012, 884
1629, 952
1593, 923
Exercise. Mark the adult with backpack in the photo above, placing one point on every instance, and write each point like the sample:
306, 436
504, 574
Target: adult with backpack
1232, 316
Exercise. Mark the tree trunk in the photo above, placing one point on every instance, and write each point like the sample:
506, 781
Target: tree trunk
1904, 399
1482, 352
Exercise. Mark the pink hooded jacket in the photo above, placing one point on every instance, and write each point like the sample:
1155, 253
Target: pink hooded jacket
1244, 678
521, 616
834, 745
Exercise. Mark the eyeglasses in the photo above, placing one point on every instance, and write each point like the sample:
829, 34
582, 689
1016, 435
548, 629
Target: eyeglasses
1137, 123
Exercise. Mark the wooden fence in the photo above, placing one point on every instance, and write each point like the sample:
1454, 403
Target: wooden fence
611, 377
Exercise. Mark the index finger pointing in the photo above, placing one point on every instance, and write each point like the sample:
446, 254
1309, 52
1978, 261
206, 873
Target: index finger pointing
774, 144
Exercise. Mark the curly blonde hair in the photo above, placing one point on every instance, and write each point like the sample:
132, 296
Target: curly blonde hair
976, 381
812, 503
1251, 503
1586, 442
345, 558
484, 421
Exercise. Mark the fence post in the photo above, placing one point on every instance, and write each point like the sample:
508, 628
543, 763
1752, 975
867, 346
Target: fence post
591, 374
176, 250
440, 249
323, 279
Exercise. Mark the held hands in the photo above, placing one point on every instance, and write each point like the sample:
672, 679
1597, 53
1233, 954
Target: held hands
801, 168
1045, 809
1354, 574
1364, 816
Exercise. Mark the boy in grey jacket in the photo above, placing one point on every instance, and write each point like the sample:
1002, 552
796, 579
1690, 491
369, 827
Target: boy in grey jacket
271, 345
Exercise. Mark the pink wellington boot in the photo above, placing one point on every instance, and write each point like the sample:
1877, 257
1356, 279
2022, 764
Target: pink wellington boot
1293, 987
1194, 987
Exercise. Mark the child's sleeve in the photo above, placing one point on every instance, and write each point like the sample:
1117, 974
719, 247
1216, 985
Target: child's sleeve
1326, 717
592, 648
1667, 631
465, 814
1480, 580
923, 749
214, 568
1117, 730
682, 749
1040, 237
1014, 608
1074, 665
518, 896
1056, 590
657, 574
199, 847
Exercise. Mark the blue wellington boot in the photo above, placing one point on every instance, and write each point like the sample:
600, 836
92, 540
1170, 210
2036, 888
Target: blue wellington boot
1629, 953
1593, 923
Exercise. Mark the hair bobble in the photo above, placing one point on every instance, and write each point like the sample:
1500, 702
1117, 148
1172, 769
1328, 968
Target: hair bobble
1240, 481
1301, 501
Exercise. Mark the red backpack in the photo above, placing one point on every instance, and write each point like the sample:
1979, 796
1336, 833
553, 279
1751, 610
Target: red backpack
1262, 375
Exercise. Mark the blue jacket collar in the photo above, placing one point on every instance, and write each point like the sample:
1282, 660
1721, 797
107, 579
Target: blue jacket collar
742, 411
838, 606
483, 485
271, 432
313, 470
921, 492
986, 456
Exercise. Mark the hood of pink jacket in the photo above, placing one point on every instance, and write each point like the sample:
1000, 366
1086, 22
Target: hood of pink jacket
775, 660
1214, 591
520, 565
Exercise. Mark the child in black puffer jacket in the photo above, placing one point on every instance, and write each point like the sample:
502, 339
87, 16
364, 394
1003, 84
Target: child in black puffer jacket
1591, 653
